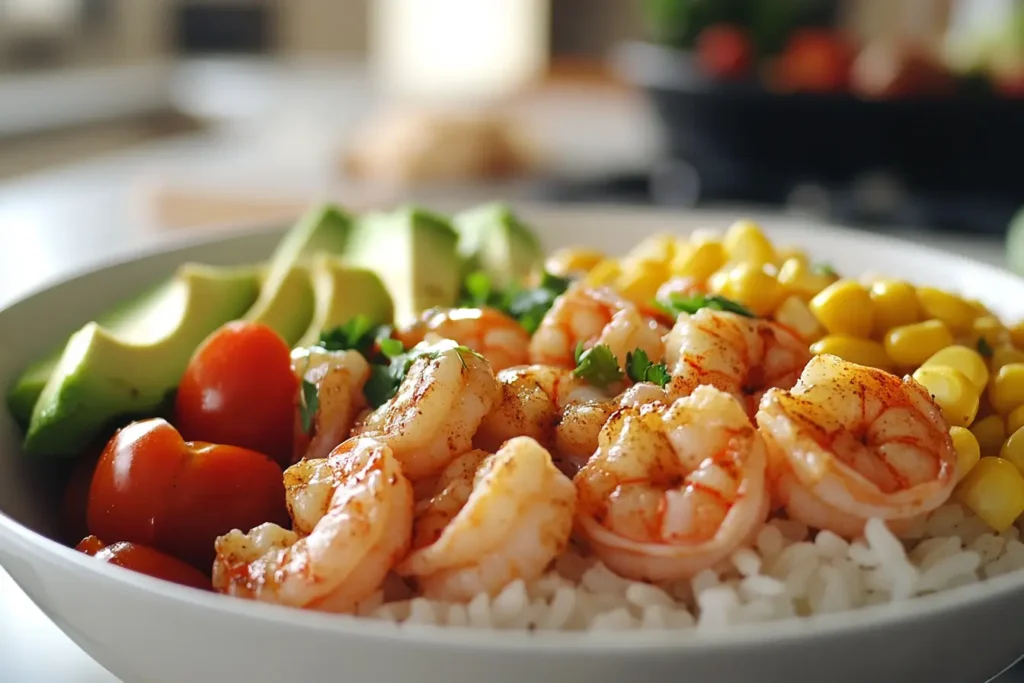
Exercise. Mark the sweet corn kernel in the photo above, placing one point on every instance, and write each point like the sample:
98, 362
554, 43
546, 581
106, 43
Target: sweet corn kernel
659, 247
911, 345
949, 308
604, 273
895, 304
844, 307
1004, 355
854, 350
1013, 449
1015, 420
783, 254
981, 308
968, 452
1017, 334
952, 392
700, 261
639, 283
719, 280
794, 313
990, 432
993, 490
990, 329
752, 286
745, 243
573, 260
1006, 390
966, 360
798, 277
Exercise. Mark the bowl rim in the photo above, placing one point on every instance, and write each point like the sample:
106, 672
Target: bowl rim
36, 547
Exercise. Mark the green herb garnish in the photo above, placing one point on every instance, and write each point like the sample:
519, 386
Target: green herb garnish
526, 306
824, 269
639, 368
358, 334
309, 403
678, 303
391, 348
984, 348
597, 366
385, 379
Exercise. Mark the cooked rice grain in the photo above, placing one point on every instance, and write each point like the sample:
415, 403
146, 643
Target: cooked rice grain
786, 573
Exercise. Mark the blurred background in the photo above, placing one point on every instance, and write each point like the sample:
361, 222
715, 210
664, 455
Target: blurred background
124, 120
872, 112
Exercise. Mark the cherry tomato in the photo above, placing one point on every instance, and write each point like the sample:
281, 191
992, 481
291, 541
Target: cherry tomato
152, 487
725, 51
239, 389
145, 561
815, 60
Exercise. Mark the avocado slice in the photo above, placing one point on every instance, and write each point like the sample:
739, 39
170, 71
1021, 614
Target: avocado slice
494, 240
102, 375
341, 293
123, 319
415, 254
286, 300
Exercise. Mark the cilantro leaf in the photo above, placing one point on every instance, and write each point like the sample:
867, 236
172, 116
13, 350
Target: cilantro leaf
390, 347
824, 269
309, 403
639, 368
385, 379
984, 348
597, 366
358, 334
526, 306
679, 303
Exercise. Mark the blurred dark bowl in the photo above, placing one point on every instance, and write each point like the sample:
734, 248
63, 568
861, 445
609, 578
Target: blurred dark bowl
969, 144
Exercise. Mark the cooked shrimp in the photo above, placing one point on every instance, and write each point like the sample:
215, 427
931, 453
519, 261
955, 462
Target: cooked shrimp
577, 434
673, 489
353, 514
531, 403
489, 332
742, 356
849, 443
339, 377
491, 519
593, 316
437, 409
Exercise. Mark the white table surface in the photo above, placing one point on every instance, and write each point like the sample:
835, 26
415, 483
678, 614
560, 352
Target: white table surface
58, 221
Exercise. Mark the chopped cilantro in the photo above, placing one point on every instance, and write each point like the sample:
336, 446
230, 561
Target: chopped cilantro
358, 334
984, 348
597, 366
385, 379
526, 306
309, 403
391, 347
678, 303
639, 368
824, 269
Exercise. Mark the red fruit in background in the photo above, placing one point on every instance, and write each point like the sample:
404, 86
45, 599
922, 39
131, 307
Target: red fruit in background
889, 71
725, 51
814, 60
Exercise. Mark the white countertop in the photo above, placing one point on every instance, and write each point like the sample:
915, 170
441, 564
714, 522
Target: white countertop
280, 130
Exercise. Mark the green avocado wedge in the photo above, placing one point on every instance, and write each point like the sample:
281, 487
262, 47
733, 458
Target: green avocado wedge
103, 375
127, 318
286, 301
494, 240
343, 292
415, 254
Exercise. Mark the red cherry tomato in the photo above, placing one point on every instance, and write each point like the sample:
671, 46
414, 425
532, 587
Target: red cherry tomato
239, 389
76, 496
152, 487
145, 561
725, 51
815, 60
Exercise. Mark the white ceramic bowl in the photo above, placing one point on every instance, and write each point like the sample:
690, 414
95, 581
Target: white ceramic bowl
142, 629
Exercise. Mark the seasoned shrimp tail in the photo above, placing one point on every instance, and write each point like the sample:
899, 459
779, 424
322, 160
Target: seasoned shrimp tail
437, 409
849, 443
352, 514
491, 519
673, 489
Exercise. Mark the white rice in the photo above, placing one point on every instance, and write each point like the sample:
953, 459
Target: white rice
788, 572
